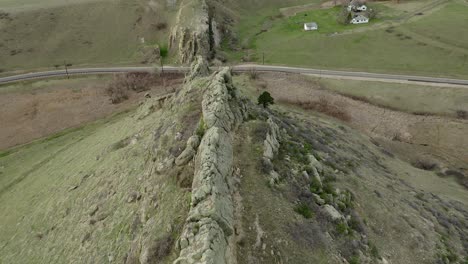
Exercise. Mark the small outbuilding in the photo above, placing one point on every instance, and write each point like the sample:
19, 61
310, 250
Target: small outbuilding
310, 26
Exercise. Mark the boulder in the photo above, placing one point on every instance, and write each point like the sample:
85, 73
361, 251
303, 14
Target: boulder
189, 152
332, 213
274, 177
318, 200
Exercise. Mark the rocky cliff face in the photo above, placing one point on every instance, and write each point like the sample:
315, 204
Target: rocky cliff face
210, 221
197, 31
191, 35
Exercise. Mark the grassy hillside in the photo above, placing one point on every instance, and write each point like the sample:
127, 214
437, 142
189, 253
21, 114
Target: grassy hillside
404, 97
378, 48
394, 205
87, 194
80, 33
444, 25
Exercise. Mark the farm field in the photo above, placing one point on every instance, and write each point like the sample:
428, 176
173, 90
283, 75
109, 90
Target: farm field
400, 48
410, 98
48, 33
444, 25
36, 109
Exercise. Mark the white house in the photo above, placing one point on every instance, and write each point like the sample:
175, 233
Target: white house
310, 26
356, 6
359, 19
361, 8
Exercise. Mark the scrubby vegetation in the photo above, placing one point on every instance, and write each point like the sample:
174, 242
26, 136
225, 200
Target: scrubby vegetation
322, 105
304, 210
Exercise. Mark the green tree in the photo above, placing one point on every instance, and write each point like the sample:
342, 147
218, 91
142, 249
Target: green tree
344, 16
265, 99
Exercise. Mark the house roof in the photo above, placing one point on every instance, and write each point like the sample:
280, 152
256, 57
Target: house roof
311, 24
361, 17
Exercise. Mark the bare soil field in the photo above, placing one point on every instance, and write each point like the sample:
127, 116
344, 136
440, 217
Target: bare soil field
34, 110
443, 138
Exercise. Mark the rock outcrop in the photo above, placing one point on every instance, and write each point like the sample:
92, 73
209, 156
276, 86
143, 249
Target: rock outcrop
205, 237
189, 152
199, 68
200, 27
270, 149
191, 35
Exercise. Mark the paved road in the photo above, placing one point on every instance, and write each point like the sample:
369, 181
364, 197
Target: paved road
240, 68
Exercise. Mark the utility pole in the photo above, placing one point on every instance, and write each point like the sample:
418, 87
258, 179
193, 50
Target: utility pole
263, 58
66, 69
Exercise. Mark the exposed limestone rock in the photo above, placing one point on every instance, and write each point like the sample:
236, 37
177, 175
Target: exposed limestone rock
200, 27
333, 213
199, 68
191, 35
270, 149
210, 221
271, 143
313, 162
189, 152
221, 104
318, 200
274, 177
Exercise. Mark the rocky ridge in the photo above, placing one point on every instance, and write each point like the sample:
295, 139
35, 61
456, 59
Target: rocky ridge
209, 224
191, 35
199, 29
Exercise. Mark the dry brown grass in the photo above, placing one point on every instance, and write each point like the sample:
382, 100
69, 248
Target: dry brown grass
322, 105
122, 84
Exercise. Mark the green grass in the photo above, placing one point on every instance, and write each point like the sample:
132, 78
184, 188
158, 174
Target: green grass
325, 18
373, 50
445, 25
404, 97
96, 32
304, 210
44, 218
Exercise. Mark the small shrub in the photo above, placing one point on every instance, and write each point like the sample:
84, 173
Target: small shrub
374, 251
425, 164
265, 99
201, 128
304, 210
462, 114
355, 260
161, 25
117, 93
253, 74
315, 186
163, 51
328, 188
121, 85
342, 228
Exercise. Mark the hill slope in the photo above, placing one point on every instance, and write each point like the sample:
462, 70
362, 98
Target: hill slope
209, 177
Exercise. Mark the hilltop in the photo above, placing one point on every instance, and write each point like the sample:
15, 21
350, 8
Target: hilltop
202, 173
